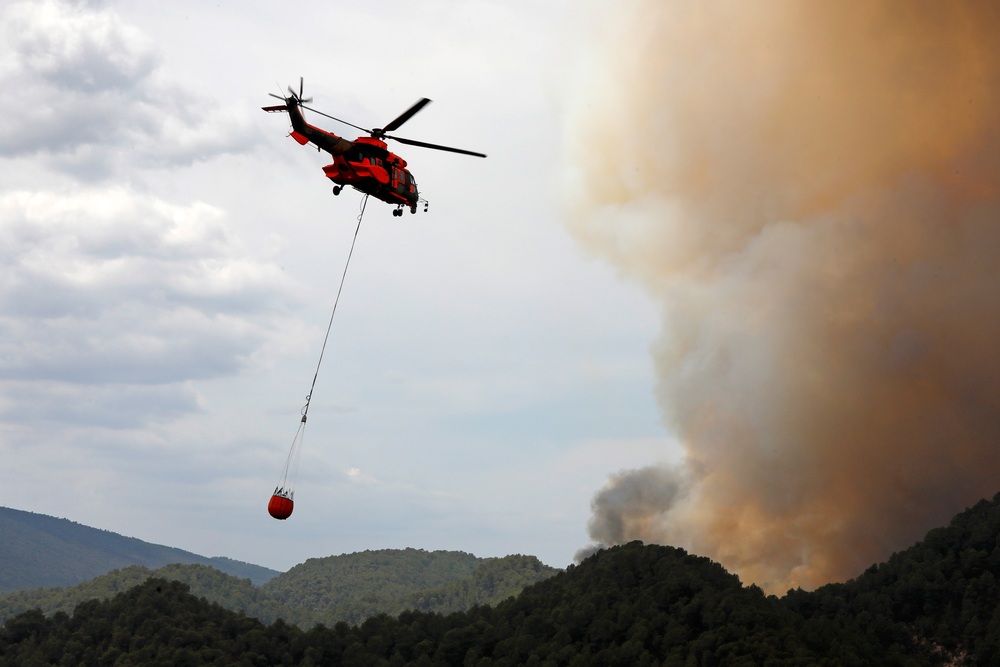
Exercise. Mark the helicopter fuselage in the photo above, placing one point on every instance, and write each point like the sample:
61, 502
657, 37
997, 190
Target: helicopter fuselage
365, 164
369, 167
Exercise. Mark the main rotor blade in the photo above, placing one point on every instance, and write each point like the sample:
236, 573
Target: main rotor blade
357, 127
405, 116
437, 147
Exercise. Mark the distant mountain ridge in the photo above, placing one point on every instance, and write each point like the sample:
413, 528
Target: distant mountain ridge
41, 551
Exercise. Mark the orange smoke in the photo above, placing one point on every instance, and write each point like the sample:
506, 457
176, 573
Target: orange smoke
810, 190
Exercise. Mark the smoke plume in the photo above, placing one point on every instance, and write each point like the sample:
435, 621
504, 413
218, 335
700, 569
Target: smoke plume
811, 191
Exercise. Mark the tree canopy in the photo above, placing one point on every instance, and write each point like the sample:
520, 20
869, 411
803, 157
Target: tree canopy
933, 604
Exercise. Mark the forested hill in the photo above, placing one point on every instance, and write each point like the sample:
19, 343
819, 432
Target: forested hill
42, 551
945, 590
356, 586
630, 605
936, 603
348, 588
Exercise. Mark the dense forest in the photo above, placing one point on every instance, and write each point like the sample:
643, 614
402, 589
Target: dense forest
943, 590
348, 588
631, 605
936, 603
354, 587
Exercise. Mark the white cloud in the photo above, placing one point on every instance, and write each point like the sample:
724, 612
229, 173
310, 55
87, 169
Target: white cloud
78, 47
358, 476
91, 97
104, 406
112, 287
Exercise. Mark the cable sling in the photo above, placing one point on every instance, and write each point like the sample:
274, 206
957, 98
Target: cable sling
281, 503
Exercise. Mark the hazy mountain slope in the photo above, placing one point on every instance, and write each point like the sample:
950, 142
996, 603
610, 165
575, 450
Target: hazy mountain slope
51, 600
42, 551
492, 581
203, 581
257, 574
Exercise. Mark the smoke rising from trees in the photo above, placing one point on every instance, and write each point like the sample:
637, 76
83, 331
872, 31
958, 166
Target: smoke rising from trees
810, 191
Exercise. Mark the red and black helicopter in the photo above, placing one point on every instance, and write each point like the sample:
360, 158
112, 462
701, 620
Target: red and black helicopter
365, 163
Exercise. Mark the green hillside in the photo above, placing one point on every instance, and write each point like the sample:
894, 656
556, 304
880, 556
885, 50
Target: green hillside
357, 586
630, 605
320, 583
238, 595
40, 551
944, 590
933, 604
348, 588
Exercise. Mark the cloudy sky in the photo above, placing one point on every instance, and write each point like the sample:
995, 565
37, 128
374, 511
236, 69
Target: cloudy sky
170, 257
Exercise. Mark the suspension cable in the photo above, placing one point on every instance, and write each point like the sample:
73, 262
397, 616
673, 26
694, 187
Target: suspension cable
343, 276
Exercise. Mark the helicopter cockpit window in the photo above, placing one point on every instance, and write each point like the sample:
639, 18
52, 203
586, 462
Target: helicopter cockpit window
402, 180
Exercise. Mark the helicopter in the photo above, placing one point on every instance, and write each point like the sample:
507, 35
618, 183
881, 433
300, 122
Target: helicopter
366, 164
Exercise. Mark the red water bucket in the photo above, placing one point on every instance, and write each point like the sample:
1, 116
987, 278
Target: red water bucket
280, 507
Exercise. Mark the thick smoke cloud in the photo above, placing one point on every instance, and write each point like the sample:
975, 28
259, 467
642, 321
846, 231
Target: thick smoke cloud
810, 190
